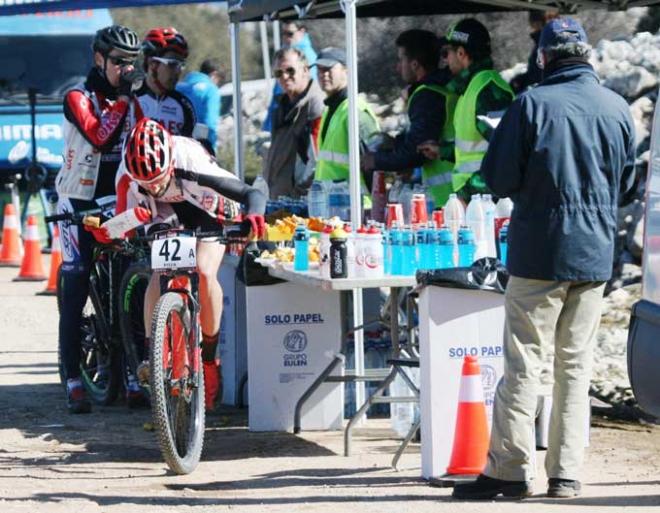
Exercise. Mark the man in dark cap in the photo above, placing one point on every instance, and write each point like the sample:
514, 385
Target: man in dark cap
564, 153
484, 96
332, 160
430, 111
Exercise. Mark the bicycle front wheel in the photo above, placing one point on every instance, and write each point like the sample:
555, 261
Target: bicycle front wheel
177, 384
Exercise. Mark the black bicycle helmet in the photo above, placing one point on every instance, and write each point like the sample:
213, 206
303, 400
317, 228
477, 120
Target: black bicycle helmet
118, 37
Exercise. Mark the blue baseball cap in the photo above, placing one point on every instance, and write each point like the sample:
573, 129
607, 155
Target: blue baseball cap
561, 31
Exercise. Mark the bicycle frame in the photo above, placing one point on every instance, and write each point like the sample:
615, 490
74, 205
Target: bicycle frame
185, 283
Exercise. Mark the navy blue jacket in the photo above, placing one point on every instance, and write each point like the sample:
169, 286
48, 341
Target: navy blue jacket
564, 153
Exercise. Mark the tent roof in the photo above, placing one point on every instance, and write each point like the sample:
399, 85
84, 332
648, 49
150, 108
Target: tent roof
256, 10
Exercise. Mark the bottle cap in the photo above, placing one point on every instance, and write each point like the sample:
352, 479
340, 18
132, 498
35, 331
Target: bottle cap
338, 233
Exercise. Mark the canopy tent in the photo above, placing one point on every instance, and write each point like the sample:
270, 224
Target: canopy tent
256, 10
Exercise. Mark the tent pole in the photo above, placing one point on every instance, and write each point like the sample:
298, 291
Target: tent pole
265, 53
276, 35
234, 33
349, 7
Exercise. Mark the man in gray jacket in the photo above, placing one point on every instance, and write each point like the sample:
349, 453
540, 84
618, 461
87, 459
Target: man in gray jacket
289, 165
564, 153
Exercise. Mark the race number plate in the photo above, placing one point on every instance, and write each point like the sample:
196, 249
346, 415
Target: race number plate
174, 253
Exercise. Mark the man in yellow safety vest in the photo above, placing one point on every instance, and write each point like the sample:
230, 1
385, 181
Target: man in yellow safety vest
332, 160
484, 96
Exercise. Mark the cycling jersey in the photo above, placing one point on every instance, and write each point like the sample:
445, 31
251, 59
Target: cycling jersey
198, 181
94, 127
172, 110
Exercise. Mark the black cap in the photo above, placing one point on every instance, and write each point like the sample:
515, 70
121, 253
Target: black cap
471, 34
330, 56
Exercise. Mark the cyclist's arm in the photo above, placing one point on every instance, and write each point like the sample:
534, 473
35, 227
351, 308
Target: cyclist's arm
101, 132
232, 188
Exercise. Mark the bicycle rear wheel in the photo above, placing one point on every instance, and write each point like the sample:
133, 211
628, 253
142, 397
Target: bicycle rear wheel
131, 318
177, 384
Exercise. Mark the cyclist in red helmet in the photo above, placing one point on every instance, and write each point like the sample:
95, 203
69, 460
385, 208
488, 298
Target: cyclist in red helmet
180, 182
165, 51
97, 117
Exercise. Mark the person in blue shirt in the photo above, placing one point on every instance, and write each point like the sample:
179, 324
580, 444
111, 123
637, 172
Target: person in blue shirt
294, 35
202, 88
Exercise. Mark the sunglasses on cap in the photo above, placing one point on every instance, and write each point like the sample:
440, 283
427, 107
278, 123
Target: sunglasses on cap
170, 63
279, 73
121, 61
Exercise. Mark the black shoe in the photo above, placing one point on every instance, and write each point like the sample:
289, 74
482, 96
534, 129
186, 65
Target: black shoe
77, 402
563, 488
485, 488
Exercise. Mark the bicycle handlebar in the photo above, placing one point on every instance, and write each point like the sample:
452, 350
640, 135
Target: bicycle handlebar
80, 218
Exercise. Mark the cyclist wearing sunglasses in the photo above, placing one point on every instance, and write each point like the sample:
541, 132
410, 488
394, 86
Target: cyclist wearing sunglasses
165, 52
178, 180
96, 119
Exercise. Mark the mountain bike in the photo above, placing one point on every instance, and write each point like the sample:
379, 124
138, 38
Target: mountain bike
99, 331
176, 373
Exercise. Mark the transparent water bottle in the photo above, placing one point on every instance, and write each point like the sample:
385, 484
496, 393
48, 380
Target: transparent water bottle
335, 199
387, 251
409, 264
422, 248
396, 250
489, 222
317, 200
301, 247
475, 219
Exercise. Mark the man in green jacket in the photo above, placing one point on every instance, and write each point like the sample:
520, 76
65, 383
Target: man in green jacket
484, 96
332, 160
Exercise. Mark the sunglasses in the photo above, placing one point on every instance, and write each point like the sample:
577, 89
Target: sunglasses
175, 64
279, 73
120, 61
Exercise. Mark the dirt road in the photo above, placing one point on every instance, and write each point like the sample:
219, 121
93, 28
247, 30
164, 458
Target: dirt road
106, 462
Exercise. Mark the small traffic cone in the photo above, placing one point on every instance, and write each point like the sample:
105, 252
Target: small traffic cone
55, 262
32, 267
471, 438
10, 254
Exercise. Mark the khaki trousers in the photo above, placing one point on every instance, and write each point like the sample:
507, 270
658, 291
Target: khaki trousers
544, 317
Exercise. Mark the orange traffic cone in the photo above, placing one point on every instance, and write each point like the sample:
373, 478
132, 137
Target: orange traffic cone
32, 267
55, 262
10, 254
471, 437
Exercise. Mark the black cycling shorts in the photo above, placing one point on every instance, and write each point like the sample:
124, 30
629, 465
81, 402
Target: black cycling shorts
192, 217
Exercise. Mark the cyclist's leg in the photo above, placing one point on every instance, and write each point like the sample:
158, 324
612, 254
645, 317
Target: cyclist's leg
209, 258
76, 259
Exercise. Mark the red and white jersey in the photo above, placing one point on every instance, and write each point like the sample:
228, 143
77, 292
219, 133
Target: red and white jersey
193, 166
174, 110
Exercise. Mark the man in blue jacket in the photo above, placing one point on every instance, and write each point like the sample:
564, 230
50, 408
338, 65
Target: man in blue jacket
201, 87
564, 153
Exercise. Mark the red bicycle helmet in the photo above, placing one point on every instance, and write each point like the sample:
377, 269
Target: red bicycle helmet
164, 39
148, 151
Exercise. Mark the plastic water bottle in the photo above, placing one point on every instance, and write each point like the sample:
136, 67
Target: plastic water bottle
387, 251
359, 242
444, 249
373, 253
261, 185
466, 246
504, 243
402, 415
408, 267
324, 252
489, 213
454, 218
422, 248
395, 191
405, 198
301, 246
475, 218
335, 199
317, 200
345, 201
396, 250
